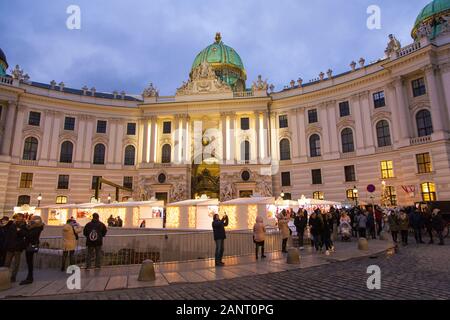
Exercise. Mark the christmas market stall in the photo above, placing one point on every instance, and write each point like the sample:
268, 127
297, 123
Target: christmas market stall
192, 214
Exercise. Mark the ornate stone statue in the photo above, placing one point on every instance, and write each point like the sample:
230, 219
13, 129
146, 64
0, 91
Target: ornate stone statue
151, 91
424, 30
19, 74
227, 192
260, 85
264, 188
178, 191
393, 46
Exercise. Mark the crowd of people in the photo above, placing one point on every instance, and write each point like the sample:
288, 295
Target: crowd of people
17, 235
115, 222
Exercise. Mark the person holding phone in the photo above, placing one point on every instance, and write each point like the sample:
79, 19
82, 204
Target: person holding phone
218, 226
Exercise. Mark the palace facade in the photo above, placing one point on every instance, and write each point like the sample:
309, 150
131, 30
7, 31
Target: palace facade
384, 123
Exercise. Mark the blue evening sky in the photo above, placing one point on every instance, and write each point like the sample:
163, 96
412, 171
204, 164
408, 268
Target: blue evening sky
124, 45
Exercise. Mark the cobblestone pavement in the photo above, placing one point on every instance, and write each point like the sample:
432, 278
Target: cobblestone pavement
412, 273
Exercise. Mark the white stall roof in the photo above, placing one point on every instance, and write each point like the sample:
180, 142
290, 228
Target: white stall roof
316, 202
195, 202
107, 205
251, 200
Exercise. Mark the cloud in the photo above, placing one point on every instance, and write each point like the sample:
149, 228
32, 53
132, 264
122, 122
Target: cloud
124, 45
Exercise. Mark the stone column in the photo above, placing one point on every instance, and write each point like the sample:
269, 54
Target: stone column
395, 129
232, 144
257, 137
223, 125
153, 138
404, 114
358, 138
187, 140
445, 84
81, 125
367, 122
112, 123
323, 120
292, 124
88, 148
57, 120
120, 148
9, 127
438, 116
332, 130
145, 142
274, 137
48, 128
301, 132
17, 143
265, 152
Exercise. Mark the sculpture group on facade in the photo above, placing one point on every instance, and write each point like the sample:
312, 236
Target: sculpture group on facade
393, 46
150, 91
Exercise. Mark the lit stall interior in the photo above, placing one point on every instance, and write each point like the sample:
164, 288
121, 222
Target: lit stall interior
242, 212
192, 214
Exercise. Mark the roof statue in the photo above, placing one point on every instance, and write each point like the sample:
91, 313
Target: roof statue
150, 91
260, 85
393, 46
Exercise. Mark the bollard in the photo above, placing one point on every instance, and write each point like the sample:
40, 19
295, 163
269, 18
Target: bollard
147, 272
363, 244
5, 279
293, 256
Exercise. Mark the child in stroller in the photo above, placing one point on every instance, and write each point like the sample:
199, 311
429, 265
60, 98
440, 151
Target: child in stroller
345, 229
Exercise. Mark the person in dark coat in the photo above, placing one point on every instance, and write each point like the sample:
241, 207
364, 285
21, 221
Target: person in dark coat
218, 226
3, 223
427, 217
316, 227
379, 220
438, 225
327, 229
94, 232
15, 243
300, 222
119, 222
33, 232
371, 225
417, 222
111, 221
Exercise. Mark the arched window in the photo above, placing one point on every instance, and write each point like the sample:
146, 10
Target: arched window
166, 153
30, 148
23, 200
99, 154
314, 145
285, 149
424, 124
347, 140
130, 152
66, 152
383, 134
245, 151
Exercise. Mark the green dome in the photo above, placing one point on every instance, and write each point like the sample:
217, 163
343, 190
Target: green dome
431, 10
225, 61
3, 63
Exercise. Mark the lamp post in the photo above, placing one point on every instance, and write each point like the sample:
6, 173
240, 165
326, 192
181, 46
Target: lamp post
109, 198
39, 199
282, 195
355, 194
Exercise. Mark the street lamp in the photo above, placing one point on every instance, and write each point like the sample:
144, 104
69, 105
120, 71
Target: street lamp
282, 194
355, 194
39, 199
109, 198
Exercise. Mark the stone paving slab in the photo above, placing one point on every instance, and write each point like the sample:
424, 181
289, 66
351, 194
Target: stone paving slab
192, 276
159, 282
97, 284
173, 277
207, 274
117, 282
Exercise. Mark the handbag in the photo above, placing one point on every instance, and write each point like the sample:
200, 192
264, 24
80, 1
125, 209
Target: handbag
74, 233
32, 248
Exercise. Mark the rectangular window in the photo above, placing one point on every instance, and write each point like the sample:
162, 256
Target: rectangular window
245, 123
418, 87
387, 169
312, 116
344, 109
391, 195
131, 129
379, 100
287, 196
350, 173
318, 195
128, 182
94, 182
34, 119
69, 124
423, 163
316, 176
101, 126
63, 182
61, 200
167, 127
285, 179
26, 180
283, 121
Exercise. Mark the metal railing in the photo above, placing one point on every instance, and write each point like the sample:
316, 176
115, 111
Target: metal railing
161, 248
